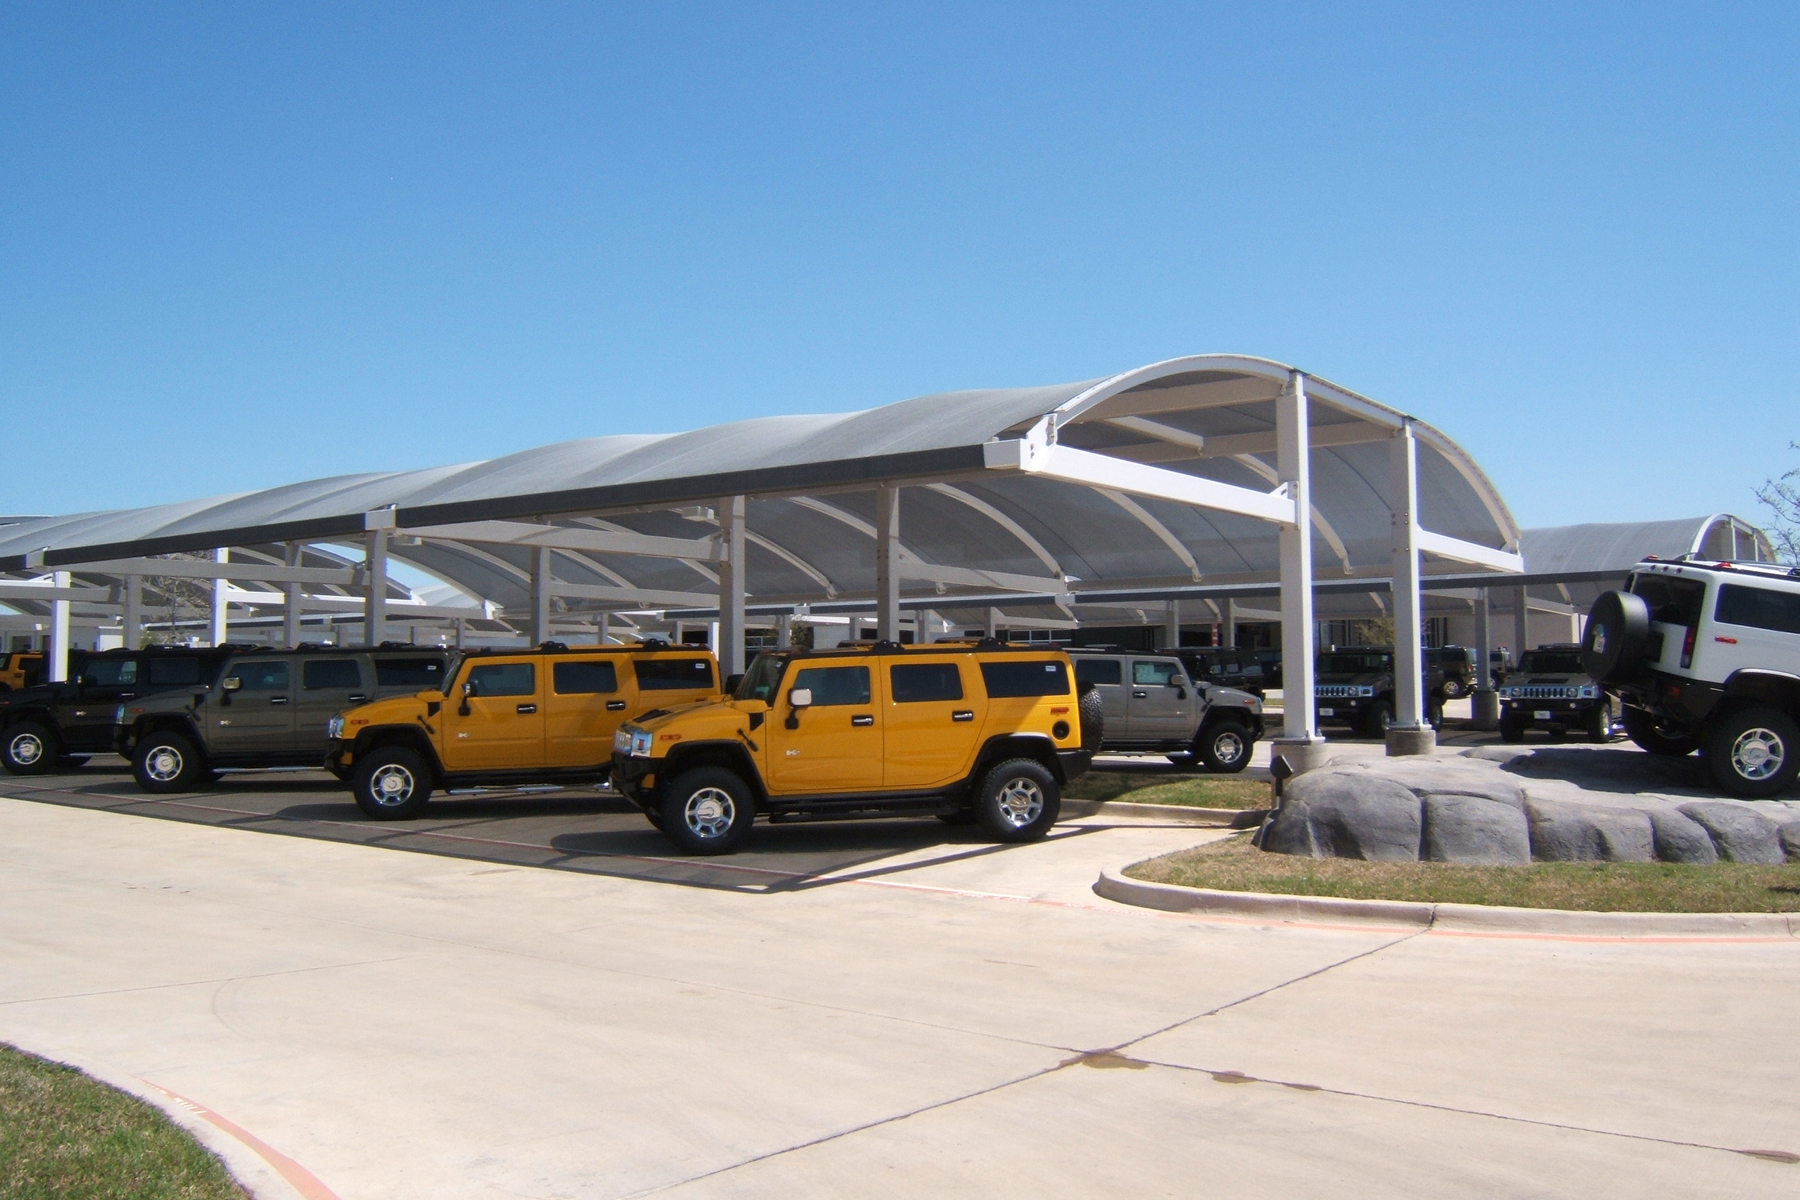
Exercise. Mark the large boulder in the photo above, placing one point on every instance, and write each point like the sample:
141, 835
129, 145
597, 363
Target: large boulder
1425, 776
1740, 834
1345, 814
1790, 839
1589, 833
1473, 829
1680, 838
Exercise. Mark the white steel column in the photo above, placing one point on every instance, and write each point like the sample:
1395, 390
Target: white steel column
887, 579
290, 617
219, 631
1299, 742
59, 631
784, 631
1228, 628
540, 595
993, 623
604, 632
729, 644
1521, 624
1410, 733
131, 611
1172, 626
375, 604
1484, 706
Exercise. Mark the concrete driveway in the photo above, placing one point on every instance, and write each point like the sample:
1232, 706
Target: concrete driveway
902, 1013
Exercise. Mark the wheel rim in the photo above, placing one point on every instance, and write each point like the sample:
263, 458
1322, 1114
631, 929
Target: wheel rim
163, 764
1758, 753
1228, 747
27, 749
710, 812
1021, 802
392, 784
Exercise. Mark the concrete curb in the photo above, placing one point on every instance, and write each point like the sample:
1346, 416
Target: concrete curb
1217, 818
1452, 918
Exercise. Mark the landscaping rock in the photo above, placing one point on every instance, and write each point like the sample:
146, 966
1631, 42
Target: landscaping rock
1345, 814
1465, 779
1460, 828
1589, 833
1740, 834
1789, 833
1681, 839
1494, 754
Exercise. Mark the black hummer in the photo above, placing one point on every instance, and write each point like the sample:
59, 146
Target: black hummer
261, 708
1355, 686
1551, 689
62, 724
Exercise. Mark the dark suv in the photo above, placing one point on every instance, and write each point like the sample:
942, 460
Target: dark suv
1355, 686
1225, 666
62, 724
261, 708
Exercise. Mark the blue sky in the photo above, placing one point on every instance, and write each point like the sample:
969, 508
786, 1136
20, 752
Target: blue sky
242, 245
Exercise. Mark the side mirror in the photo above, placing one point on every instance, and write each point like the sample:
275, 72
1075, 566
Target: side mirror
800, 697
1176, 681
731, 683
468, 689
232, 683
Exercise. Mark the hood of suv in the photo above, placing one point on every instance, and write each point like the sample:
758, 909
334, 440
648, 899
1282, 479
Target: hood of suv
393, 710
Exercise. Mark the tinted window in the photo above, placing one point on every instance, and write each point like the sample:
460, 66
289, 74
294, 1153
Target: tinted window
503, 679
1340, 663
913, 683
262, 676
1098, 670
763, 678
173, 672
318, 673
1156, 674
418, 673
673, 674
1759, 608
1672, 601
110, 672
835, 685
1034, 677
1552, 662
581, 678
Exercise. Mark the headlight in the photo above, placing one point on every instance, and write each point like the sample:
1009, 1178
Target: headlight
641, 741
622, 740
334, 728
1365, 690
119, 715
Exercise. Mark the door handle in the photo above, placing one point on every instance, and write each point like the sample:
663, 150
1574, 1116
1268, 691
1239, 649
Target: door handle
127, 695
1140, 695
615, 706
964, 715
358, 697
277, 699
864, 719
527, 709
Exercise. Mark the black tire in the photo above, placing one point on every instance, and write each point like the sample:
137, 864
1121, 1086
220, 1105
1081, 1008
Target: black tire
707, 810
169, 762
29, 748
1224, 747
1378, 718
1599, 721
1512, 729
1018, 801
391, 783
1617, 634
1092, 708
654, 816
1754, 752
1643, 729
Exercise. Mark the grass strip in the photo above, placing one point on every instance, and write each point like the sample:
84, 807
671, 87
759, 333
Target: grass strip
1234, 865
67, 1135
1188, 791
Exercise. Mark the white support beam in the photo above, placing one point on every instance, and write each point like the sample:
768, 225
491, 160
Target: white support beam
1403, 507
1035, 456
1228, 623
131, 612
1004, 581
540, 595
376, 601
246, 572
1300, 740
218, 630
1476, 555
1230, 445
565, 537
887, 555
729, 645
290, 609
47, 591
58, 663
634, 598
1521, 624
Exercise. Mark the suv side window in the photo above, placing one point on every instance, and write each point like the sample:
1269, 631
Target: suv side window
1672, 601
111, 672
173, 672
915, 683
1098, 671
1759, 608
320, 673
832, 686
1034, 677
674, 674
583, 677
1154, 674
420, 673
262, 676
503, 679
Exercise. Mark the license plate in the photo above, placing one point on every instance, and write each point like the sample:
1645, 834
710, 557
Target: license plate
1542, 714
1328, 712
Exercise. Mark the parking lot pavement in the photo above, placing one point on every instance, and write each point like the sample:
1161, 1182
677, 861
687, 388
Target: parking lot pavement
897, 1012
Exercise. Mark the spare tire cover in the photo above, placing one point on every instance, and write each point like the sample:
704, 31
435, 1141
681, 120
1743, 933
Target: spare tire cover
1092, 707
1617, 633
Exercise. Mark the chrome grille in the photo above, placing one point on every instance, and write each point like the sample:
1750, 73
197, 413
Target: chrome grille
1335, 691
1546, 692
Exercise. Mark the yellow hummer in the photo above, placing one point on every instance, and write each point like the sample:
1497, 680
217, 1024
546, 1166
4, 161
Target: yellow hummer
970, 732
510, 717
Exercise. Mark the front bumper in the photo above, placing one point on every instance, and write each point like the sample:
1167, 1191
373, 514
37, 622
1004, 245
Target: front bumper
1548, 712
635, 778
338, 756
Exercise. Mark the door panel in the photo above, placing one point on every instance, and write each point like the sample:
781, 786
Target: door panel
934, 714
504, 727
327, 686
1160, 711
258, 718
579, 711
837, 746
104, 682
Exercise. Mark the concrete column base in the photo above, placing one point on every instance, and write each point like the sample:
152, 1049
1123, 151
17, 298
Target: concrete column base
1400, 740
1303, 754
1484, 708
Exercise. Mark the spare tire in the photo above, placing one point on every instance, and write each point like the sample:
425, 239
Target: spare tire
1092, 707
1617, 634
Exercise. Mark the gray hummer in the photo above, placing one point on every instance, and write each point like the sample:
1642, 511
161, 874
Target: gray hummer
1551, 690
1355, 686
1153, 704
261, 708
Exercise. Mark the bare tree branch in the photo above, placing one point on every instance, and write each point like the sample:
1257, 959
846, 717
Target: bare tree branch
1781, 497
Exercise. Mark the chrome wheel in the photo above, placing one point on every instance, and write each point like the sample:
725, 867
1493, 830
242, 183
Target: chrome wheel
26, 749
1021, 801
392, 785
710, 812
164, 764
1757, 754
1228, 747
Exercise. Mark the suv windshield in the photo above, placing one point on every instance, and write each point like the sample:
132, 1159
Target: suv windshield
1672, 601
763, 679
1351, 663
1552, 662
